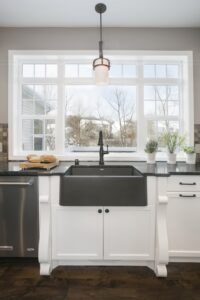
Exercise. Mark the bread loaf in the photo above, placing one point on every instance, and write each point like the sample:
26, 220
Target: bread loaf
30, 155
34, 158
48, 158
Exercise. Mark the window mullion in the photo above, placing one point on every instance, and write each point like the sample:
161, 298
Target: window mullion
60, 123
141, 122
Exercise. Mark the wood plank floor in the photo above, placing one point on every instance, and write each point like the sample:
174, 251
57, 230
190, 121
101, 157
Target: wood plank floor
19, 279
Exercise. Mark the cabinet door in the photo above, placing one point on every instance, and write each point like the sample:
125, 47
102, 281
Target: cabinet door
183, 222
129, 233
77, 233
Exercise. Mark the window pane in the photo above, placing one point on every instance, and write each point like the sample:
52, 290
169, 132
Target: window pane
51, 71
39, 107
129, 71
149, 92
27, 135
27, 144
149, 71
173, 92
27, 91
40, 70
89, 109
174, 125
149, 108
38, 143
85, 71
160, 71
50, 127
39, 92
172, 71
173, 108
38, 126
50, 135
27, 128
50, 143
161, 108
27, 107
115, 71
28, 70
161, 93
51, 107
51, 92
151, 129
162, 126
71, 70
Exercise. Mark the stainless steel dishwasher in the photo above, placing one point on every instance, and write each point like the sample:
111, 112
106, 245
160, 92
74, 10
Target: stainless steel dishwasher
19, 224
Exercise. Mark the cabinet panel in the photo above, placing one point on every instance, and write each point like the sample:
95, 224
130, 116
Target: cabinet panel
77, 233
183, 183
129, 233
183, 222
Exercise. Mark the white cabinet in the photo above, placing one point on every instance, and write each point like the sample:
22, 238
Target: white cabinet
77, 233
97, 233
183, 217
127, 233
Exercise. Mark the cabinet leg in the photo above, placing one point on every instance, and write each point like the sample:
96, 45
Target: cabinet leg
161, 271
45, 269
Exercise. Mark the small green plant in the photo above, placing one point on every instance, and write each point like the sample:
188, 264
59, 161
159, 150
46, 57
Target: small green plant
151, 146
172, 140
189, 149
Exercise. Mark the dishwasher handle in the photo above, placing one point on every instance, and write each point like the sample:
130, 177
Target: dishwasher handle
10, 183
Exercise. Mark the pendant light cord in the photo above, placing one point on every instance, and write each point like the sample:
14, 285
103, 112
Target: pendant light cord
101, 39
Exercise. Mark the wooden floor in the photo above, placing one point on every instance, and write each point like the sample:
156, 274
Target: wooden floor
20, 279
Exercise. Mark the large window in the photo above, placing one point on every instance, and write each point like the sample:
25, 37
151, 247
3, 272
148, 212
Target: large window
56, 107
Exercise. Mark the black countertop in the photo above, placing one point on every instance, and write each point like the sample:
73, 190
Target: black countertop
159, 169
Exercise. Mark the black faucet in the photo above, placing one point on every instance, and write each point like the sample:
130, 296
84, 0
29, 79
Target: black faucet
101, 150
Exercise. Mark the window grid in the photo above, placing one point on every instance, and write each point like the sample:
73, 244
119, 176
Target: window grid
60, 81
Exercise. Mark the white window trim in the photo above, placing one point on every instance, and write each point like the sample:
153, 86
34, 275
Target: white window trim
14, 55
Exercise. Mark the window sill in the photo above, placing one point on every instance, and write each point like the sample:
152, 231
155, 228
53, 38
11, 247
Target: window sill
135, 156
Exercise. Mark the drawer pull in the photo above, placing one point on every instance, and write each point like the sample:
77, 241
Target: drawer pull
187, 196
187, 183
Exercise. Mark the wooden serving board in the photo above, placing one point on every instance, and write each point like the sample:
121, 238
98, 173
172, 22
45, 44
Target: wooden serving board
46, 166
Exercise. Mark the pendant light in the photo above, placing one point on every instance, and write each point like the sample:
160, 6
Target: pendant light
101, 65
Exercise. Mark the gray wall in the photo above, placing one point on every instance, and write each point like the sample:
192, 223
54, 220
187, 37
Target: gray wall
87, 38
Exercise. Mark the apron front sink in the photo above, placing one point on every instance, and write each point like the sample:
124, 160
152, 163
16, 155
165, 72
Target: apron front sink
103, 186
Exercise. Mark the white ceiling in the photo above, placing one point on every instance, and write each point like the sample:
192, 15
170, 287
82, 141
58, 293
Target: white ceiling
81, 13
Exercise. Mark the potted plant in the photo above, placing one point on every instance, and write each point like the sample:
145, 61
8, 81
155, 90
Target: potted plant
151, 149
190, 155
172, 140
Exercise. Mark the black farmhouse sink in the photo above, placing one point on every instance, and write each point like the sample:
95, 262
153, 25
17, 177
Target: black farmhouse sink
103, 186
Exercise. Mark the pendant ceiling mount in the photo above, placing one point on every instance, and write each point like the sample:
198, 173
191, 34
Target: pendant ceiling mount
100, 8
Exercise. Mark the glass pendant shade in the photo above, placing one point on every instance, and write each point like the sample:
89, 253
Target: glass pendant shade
101, 68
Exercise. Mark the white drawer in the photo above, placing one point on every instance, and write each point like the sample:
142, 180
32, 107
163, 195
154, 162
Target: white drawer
183, 183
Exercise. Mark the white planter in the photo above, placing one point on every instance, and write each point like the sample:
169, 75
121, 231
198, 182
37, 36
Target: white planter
171, 158
151, 158
191, 158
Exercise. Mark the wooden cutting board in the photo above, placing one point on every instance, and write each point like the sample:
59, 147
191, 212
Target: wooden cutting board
45, 166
